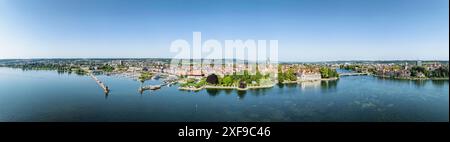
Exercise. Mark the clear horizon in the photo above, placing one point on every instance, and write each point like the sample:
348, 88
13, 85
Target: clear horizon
207, 59
308, 31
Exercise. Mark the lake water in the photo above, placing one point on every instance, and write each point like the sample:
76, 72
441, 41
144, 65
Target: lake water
49, 96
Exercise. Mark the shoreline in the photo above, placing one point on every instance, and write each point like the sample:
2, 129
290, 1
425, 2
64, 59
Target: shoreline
251, 87
226, 87
410, 78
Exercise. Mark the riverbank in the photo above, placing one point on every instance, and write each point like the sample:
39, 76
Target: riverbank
409, 78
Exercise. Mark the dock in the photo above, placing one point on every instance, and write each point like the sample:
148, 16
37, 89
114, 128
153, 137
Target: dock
149, 87
169, 81
101, 84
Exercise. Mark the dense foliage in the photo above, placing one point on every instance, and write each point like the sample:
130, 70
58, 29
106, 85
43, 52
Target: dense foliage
440, 73
229, 80
212, 79
418, 71
289, 75
326, 72
145, 76
106, 68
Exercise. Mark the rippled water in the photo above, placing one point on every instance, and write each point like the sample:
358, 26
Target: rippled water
49, 96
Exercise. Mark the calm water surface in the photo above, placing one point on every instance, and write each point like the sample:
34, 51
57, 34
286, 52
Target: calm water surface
49, 96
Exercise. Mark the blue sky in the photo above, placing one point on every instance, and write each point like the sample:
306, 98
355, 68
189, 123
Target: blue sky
307, 30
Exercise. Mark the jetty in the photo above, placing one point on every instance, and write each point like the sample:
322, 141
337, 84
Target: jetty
169, 81
149, 87
100, 83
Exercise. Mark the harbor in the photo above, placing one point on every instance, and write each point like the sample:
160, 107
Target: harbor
167, 80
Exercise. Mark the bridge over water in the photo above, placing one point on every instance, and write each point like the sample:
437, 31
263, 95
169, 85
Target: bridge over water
353, 74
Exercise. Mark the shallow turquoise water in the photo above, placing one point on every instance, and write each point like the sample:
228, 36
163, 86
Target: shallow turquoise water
49, 96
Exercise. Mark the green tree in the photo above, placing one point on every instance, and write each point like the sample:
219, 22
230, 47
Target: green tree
145, 76
227, 81
280, 74
417, 70
440, 72
106, 68
290, 75
326, 72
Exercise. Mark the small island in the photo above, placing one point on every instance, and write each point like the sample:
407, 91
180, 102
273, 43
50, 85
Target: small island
237, 81
244, 80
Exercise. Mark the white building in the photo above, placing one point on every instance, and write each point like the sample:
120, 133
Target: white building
308, 76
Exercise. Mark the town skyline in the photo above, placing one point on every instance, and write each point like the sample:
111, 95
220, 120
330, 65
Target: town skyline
120, 58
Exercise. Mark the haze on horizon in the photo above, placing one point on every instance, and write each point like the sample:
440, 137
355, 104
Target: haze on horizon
319, 30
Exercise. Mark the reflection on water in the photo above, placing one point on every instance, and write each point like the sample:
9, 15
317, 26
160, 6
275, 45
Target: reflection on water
416, 83
280, 85
213, 92
329, 86
228, 91
241, 94
351, 98
419, 83
291, 85
440, 83
259, 92
310, 84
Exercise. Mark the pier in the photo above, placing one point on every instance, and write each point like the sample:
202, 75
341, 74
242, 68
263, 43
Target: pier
150, 87
168, 81
101, 84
